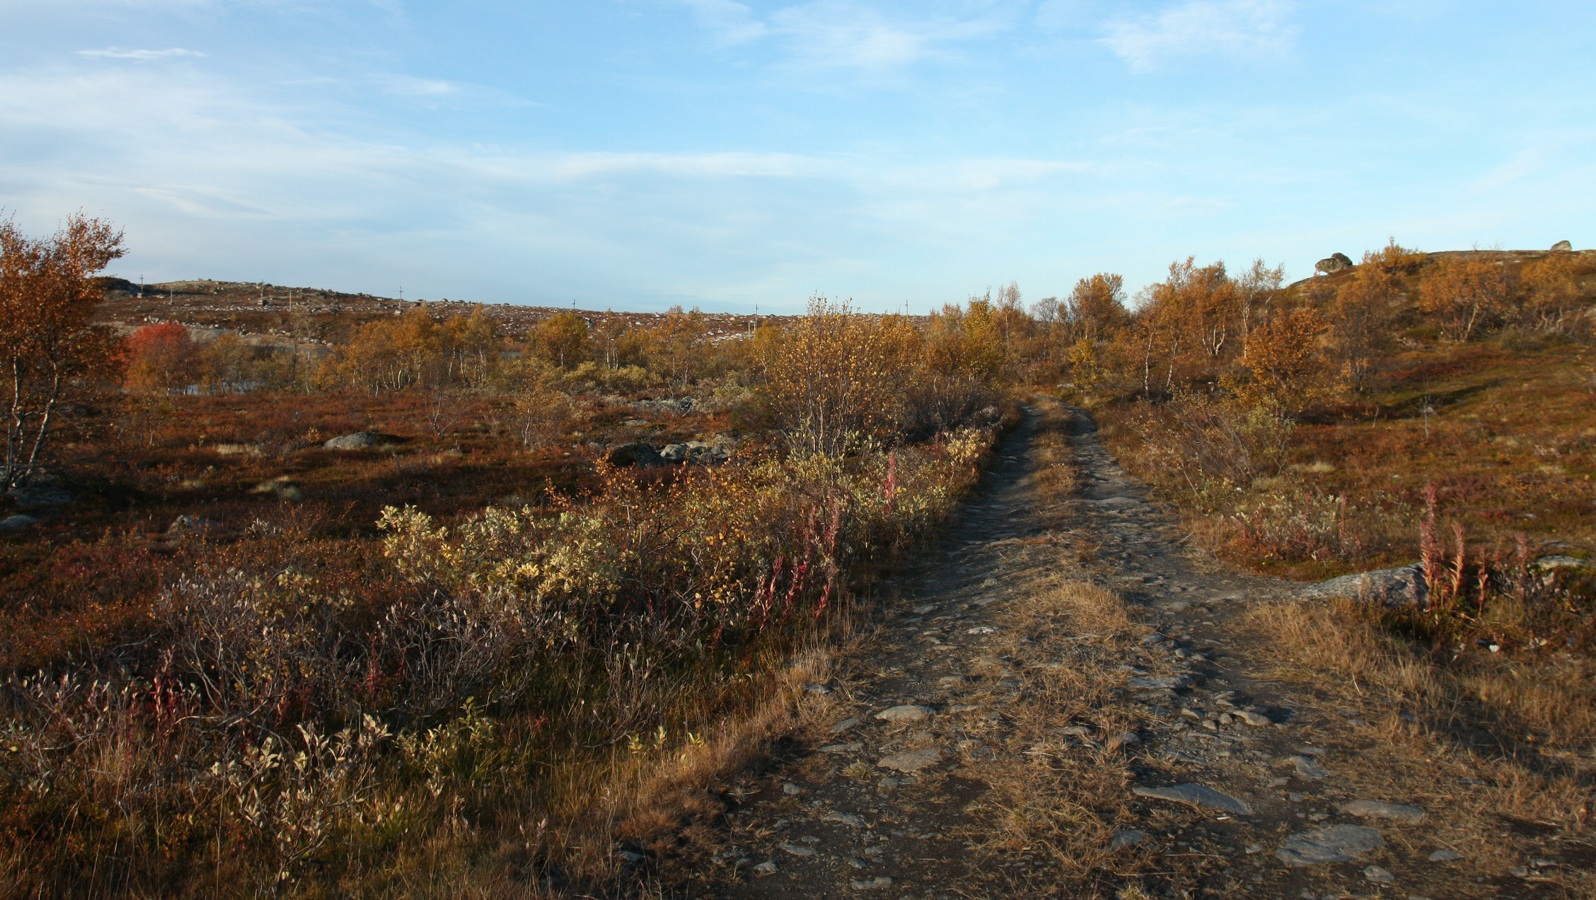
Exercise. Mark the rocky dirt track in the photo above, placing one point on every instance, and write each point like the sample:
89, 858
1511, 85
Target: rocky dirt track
1067, 702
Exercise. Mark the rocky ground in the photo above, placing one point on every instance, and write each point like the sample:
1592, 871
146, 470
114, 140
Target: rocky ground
1069, 702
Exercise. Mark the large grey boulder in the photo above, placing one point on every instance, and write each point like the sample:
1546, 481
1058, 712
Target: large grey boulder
362, 440
718, 450
1333, 263
1391, 587
635, 453
40, 492
1562, 247
17, 522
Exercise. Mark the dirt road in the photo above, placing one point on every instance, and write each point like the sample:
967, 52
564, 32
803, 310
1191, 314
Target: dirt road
1068, 702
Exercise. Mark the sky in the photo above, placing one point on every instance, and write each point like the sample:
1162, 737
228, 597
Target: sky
639, 154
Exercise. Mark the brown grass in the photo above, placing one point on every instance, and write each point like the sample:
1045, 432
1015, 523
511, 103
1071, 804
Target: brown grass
1055, 795
1498, 750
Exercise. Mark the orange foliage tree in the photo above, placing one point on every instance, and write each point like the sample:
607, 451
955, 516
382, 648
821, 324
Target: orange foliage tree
158, 357
47, 295
836, 378
1551, 292
1467, 293
1283, 358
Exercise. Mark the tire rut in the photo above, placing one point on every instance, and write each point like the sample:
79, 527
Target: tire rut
1223, 780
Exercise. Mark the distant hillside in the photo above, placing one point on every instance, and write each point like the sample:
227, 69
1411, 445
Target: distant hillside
271, 314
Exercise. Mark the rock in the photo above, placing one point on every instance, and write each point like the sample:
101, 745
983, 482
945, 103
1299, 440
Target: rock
1378, 809
1196, 795
190, 525
1562, 247
911, 761
879, 883
843, 818
1159, 682
1378, 875
798, 850
1308, 767
40, 492
1561, 563
767, 867
844, 725
1252, 717
1127, 837
362, 440
791, 789
906, 713
1335, 262
981, 629
635, 453
1391, 587
17, 522
283, 487
1445, 856
1115, 503
1337, 843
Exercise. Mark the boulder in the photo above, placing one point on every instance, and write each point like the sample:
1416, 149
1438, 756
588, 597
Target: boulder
1333, 263
362, 440
701, 452
635, 453
17, 522
283, 487
1562, 247
187, 524
1390, 587
40, 492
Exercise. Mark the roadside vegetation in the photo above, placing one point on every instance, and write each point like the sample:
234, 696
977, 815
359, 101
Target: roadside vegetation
576, 565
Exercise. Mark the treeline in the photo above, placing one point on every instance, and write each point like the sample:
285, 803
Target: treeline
1244, 333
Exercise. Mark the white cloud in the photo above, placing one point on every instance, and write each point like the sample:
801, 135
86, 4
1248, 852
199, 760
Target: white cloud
729, 21
1236, 29
576, 166
138, 55
844, 34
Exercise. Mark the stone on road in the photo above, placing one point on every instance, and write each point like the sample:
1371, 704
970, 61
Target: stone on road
1337, 843
1197, 795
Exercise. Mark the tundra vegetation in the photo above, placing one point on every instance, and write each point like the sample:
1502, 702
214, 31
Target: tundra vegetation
489, 652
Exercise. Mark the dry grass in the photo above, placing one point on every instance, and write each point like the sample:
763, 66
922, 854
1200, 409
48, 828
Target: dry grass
1056, 795
1498, 750
1057, 477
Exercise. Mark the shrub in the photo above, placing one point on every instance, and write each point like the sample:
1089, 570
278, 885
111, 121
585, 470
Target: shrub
158, 358
1468, 294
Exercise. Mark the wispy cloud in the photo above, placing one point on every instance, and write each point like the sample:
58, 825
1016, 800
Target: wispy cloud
574, 166
138, 55
1245, 30
730, 22
842, 34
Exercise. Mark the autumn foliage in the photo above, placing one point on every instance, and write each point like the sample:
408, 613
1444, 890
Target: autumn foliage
47, 297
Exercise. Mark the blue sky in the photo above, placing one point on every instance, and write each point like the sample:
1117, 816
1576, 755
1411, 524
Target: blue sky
635, 154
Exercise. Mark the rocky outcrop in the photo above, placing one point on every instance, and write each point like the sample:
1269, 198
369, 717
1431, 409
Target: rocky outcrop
1390, 587
718, 450
1562, 247
640, 453
1333, 263
363, 440
635, 453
